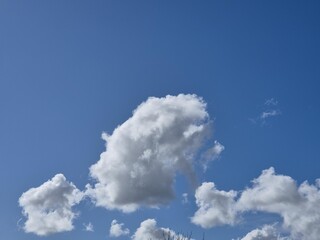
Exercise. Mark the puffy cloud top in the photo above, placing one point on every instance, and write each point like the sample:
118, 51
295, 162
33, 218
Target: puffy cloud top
148, 230
215, 207
48, 208
298, 205
271, 193
144, 153
117, 229
267, 232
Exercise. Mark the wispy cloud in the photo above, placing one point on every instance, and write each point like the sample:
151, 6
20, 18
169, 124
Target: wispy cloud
271, 102
269, 113
270, 110
185, 199
88, 227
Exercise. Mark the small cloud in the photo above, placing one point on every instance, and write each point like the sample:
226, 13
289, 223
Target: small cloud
185, 199
88, 227
48, 208
212, 154
215, 207
269, 113
149, 230
271, 102
117, 229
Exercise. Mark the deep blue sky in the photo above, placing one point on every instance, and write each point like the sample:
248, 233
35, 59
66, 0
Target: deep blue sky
72, 69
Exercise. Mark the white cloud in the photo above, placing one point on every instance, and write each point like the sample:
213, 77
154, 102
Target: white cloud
144, 153
270, 193
211, 154
298, 205
215, 207
148, 230
267, 232
88, 227
48, 208
269, 113
117, 229
185, 198
271, 102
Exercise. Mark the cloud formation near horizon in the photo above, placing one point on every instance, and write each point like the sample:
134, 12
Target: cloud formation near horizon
48, 208
163, 137
267, 232
149, 230
271, 193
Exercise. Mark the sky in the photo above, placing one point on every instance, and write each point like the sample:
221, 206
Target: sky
138, 119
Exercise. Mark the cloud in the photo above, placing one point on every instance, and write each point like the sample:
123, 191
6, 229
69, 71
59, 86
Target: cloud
117, 229
211, 154
148, 230
271, 102
143, 155
267, 232
215, 207
297, 205
271, 193
185, 199
269, 113
88, 227
48, 208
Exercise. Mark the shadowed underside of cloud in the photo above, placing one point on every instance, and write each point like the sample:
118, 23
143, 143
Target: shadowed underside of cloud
272, 193
148, 230
48, 208
143, 154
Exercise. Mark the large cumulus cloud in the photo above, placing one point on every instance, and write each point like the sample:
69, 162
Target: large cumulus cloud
144, 153
271, 193
297, 205
48, 208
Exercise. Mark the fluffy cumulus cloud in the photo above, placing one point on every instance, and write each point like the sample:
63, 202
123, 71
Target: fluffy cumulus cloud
271, 193
148, 230
298, 205
143, 155
267, 232
48, 208
215, 207
117, 229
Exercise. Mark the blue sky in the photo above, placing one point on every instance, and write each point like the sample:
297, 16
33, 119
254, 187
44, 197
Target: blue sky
70, 70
